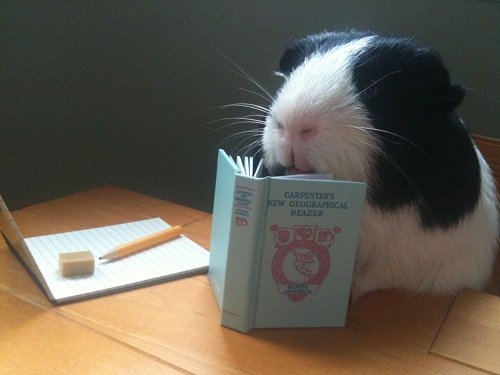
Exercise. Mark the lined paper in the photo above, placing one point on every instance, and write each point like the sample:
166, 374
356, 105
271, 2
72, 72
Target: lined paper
174, 259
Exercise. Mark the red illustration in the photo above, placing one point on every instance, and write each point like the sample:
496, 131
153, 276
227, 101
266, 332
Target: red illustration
241, 221
302, 260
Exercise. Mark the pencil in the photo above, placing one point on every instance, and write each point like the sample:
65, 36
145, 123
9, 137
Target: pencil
143, 243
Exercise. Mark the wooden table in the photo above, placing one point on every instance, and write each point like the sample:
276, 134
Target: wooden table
173, 328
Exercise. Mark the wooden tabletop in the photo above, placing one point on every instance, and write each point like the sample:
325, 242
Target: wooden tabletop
173, 328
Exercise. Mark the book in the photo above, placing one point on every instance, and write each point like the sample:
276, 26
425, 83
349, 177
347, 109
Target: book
40, 255
282, 248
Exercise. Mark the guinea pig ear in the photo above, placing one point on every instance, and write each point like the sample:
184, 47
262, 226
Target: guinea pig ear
447, 97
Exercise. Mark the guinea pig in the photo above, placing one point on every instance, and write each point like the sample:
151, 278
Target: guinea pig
381, 110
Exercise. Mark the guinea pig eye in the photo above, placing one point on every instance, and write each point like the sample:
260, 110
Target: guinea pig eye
279, 126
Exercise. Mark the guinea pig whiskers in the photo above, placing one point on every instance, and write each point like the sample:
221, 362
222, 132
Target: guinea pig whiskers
256, 120
244, 136
379, 150
239, 120
244, 74
265, 97
256, 144
393, 162
242, 149
247, 119
248, 141
378, 81
397, 136
246, 106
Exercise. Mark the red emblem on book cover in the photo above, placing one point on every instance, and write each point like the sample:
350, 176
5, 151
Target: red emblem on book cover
302, 259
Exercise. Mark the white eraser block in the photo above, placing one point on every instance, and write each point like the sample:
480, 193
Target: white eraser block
76, 263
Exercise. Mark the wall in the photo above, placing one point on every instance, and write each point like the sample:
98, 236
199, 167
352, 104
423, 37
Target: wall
126, 92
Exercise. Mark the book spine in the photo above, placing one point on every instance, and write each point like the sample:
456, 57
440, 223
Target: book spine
242, 272
221, 223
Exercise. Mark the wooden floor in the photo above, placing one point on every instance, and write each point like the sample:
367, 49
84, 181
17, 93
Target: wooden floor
173, 328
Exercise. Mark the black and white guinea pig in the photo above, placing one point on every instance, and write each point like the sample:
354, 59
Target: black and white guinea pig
381, 110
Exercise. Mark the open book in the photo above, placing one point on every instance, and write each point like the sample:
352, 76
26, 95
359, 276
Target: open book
40, 255
283, 248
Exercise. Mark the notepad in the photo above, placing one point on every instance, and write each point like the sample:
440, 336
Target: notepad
174, 259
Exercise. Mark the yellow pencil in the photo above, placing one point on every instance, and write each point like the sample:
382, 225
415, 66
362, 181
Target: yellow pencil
143, 243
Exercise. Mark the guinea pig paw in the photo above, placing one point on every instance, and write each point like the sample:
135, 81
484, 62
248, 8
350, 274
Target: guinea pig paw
361, 286
356, 292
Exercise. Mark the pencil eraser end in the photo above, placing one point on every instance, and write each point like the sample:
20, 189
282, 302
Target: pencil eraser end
76, 263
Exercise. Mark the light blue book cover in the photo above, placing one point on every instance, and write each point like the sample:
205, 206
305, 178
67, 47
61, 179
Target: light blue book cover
221, 223
284, 250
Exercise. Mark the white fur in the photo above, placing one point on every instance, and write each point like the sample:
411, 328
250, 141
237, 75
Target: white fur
394, 252
319, 113
316, 123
